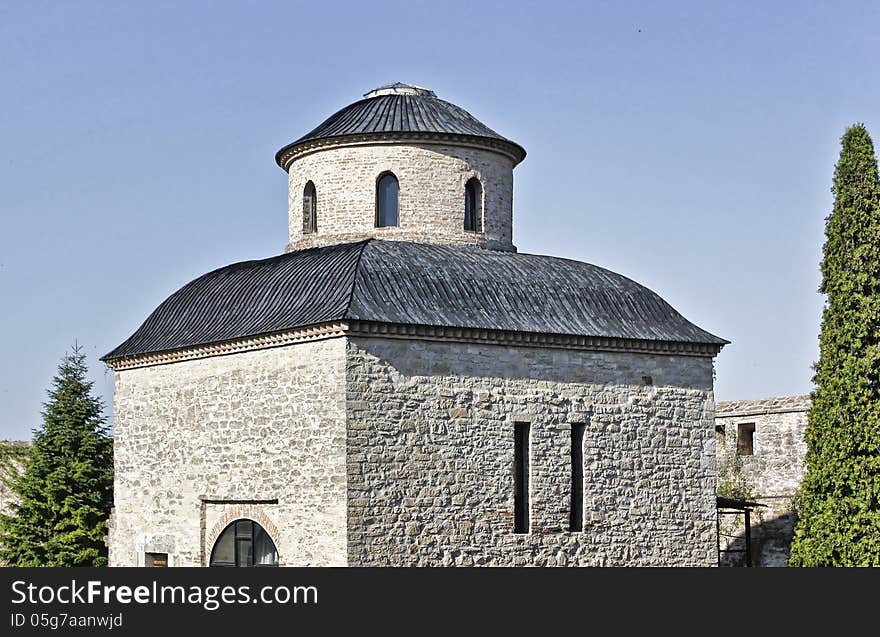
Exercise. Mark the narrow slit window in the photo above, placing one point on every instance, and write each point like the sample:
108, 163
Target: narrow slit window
745, 439
310, 209
576, 518
521, 476
473, 209
387, 196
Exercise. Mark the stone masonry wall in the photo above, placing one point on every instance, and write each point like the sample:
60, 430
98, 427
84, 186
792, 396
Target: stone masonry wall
776, 467
773, 472
200, 443
431, 453
432, 180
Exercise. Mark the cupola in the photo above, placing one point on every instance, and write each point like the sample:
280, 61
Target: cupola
401, 164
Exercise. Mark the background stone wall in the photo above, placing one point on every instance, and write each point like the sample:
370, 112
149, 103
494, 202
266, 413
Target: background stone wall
431, 452
200, 440
772, 473
431, 202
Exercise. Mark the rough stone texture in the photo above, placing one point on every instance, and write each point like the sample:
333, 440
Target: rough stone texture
382, 451
430, 455
199, 443
431, 204
775, 470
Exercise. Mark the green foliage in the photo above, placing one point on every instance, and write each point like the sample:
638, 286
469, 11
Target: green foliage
13, 452
731, 482
65, 489
839, 512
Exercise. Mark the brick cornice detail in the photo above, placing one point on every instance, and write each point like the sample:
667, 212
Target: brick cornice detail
529, 339
416, 332
235, 346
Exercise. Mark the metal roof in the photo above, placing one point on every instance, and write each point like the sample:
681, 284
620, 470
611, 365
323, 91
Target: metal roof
401, 108
412, 284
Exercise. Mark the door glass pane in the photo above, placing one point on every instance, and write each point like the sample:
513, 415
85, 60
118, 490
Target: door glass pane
243, 528
264, 549
245, 557
224, 548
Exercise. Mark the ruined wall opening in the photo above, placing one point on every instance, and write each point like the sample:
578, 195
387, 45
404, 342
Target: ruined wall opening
745, 439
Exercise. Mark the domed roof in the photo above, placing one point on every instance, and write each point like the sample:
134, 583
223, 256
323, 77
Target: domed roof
407, 110
402, 283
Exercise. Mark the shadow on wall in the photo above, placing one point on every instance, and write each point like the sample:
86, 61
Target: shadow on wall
771, 543
411, 359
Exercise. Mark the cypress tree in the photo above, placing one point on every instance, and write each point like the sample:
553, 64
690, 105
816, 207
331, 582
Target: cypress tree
838, 507
65, 490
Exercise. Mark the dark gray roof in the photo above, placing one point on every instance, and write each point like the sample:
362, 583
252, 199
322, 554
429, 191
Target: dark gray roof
412, 284
416, 112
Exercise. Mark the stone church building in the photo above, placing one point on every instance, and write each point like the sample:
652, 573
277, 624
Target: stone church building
402, 387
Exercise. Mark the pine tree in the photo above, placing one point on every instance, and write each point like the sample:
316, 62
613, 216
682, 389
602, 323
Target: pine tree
839, 499
66, 488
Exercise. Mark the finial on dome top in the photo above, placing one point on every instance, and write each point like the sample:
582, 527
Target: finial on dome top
400, 88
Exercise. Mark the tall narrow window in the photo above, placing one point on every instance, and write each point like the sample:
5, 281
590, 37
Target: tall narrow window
576, 517
521, 469
745, 439
387, 190
473, 205
310, 209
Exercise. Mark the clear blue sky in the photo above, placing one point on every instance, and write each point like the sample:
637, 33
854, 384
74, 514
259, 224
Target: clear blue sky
687, 145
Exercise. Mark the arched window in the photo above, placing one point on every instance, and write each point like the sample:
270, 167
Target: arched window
310, 209
473, 205
244, 543
387, 191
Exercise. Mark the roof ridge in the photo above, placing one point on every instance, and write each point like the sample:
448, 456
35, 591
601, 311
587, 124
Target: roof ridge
357, 270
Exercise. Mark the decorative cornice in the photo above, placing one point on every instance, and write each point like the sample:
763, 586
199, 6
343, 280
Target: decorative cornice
222, 348
289, 154
529, 339
416, 332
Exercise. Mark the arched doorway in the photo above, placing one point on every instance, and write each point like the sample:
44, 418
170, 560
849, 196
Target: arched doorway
244, 543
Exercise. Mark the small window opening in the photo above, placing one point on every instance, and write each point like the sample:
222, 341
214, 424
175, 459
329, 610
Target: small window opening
745, 439
387, 196
310, 209
521, 469
720, 439
473, 205
156, 560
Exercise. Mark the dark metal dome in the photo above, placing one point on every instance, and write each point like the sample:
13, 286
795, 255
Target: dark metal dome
402, 283
407, 110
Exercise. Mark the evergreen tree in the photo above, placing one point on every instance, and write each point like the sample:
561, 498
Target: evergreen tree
838, 506
66, 488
